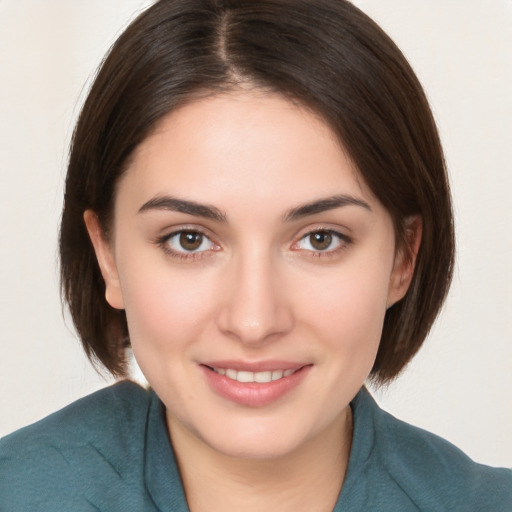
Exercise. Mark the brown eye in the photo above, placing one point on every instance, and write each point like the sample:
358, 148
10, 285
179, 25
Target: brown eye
323, 241
320, 240
190, 241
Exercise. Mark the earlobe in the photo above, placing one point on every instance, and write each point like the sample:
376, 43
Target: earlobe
105, 258
405, 260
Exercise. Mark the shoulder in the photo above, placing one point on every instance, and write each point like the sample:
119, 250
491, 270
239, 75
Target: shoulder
94, 418
434, 473
101, 434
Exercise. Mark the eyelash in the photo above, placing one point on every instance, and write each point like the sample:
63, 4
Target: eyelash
185, 255
343, 243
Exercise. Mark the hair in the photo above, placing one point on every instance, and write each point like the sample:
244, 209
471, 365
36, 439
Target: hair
326, 55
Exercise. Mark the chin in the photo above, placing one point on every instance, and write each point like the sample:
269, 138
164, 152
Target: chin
251, 438
249, 448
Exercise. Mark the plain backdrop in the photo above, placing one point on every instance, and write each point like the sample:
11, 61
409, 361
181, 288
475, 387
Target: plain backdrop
459, 386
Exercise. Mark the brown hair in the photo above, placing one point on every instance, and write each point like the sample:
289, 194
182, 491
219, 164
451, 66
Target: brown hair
325, 54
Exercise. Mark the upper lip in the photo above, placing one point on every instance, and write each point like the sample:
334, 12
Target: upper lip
254, 366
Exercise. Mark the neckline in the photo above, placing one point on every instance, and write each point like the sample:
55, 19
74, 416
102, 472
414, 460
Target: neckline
163, 481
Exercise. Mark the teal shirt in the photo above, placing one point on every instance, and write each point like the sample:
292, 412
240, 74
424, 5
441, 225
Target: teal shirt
110, 452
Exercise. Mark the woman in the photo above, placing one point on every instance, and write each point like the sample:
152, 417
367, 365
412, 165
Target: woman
256, 203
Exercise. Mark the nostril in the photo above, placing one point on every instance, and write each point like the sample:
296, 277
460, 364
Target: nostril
254, 310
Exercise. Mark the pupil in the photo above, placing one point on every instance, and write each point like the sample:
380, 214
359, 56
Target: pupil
191, 241
321, 240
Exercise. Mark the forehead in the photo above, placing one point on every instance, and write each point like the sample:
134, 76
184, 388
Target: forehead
243, 144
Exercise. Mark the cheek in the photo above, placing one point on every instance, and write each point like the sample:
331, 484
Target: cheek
351, 306
164, 308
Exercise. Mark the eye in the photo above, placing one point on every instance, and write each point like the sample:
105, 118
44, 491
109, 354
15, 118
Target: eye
322, 240
189, 242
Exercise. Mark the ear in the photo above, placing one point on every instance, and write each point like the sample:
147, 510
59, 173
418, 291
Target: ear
106, 261
405, 260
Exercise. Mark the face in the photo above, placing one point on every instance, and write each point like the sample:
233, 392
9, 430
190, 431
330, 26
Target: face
255, 267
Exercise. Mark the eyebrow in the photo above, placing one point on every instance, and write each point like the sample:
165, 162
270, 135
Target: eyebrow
322, 205
180, 205
168, 203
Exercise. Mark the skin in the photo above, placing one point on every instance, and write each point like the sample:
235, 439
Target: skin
259, 287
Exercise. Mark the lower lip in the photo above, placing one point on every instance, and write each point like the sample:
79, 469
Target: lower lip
253, 394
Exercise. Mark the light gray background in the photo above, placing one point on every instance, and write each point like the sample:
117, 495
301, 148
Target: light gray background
459, 386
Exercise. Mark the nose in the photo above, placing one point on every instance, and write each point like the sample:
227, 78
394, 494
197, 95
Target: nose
255, 309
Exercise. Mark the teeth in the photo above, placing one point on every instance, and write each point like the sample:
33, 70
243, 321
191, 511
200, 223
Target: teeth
277, 374
260, 377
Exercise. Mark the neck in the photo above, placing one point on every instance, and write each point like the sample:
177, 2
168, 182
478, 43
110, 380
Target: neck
214, 481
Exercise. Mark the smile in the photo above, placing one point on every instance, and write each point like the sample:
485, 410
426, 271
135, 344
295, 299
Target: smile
259, 377
254, 385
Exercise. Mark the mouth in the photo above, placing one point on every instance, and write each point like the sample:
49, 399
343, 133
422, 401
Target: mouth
262, 377
254, 385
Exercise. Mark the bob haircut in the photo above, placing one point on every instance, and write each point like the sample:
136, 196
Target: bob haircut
325, 55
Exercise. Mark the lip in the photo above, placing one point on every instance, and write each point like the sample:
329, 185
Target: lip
254, 366
253, 394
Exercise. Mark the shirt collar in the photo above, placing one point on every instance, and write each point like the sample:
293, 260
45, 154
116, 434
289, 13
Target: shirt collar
161, 474
163, 480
